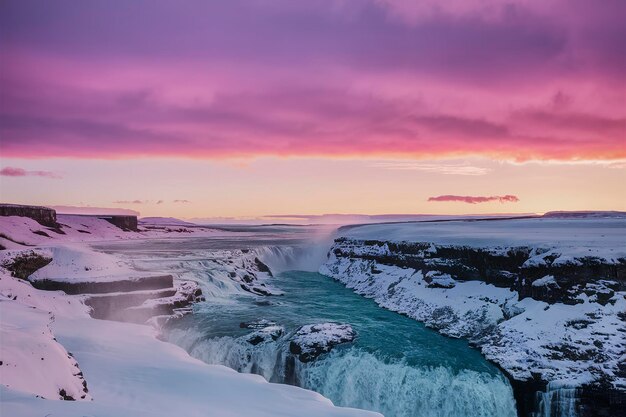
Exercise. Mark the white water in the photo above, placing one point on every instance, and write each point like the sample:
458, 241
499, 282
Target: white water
558, 401
396, 366
352, 377
396, 389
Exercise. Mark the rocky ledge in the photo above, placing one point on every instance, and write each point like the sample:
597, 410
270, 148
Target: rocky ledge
555, 324
313, 340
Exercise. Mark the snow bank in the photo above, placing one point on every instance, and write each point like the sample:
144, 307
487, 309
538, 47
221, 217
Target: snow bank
574, 238
73, 263
31, 361
130, 373
17, 232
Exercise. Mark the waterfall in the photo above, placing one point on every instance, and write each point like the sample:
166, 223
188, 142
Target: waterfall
558, 401
352, 377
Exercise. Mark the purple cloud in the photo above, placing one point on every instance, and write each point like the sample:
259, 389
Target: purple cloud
476, 199
330, 78
19, 172
130, 202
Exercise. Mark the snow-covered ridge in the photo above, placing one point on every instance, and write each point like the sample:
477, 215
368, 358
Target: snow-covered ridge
543, 299
18, 232
572, 238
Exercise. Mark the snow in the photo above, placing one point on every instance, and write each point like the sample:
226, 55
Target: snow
546, 281
127, 370
313, 340
130, 373
323, 334
16, 231
32, 361
572, 238
468, 308
566, 344
73, 263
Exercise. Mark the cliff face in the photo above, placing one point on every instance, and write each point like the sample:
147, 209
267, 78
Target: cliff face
43, 215
556, 324
539, 273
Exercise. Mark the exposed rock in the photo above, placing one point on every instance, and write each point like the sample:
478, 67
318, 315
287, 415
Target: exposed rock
126, 223
266, 334
313, 340
251, 273
43, 215
262, 267
257, 324
24, 264
123, 284
516, 268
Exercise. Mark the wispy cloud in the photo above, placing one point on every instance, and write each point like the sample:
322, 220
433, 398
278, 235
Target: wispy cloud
130, 202
438, 168
476, 199
19, 172
149, 201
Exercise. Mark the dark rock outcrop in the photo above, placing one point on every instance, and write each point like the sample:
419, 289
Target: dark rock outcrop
155, 282
24, 264
266, 334
126, 223
42, 215
313, 340
516, 268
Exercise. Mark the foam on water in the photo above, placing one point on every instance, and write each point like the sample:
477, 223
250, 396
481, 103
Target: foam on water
558, 401
354, 378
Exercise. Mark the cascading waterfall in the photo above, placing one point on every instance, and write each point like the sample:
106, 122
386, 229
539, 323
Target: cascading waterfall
357, 378
307, 257
558, 401
265, 359
352, 377
395, 366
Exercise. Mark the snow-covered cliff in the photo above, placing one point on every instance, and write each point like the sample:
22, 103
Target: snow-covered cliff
545, 299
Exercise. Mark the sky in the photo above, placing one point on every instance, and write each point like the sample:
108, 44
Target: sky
244, 109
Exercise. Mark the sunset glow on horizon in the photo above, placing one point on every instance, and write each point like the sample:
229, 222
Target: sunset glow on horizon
245, 109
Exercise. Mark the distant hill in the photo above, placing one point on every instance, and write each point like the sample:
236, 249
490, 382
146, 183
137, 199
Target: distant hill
585, 214
164, 221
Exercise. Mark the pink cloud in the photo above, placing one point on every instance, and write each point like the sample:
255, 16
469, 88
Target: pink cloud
182, 201
476, 199
19, 172
520, 80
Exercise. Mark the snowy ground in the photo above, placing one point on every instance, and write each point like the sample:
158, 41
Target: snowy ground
604, 237
17, 232
51, 349
566, 344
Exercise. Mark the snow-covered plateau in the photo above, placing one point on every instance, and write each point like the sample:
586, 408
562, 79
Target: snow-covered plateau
543, 298
56, 359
